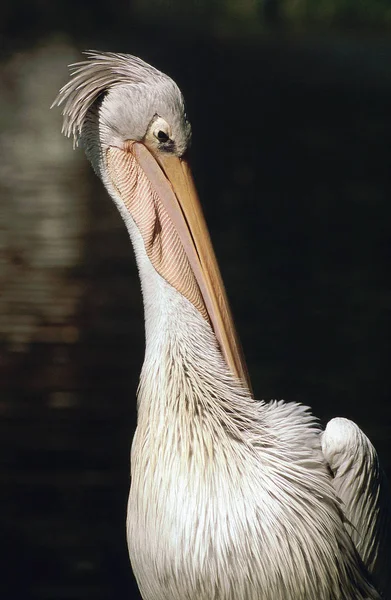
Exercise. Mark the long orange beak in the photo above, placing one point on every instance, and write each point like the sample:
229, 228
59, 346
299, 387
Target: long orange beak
168, 190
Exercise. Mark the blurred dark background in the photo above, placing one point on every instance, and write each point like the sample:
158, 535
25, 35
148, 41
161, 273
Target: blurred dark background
290, 106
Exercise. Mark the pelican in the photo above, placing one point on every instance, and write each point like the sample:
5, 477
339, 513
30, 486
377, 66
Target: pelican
231, 498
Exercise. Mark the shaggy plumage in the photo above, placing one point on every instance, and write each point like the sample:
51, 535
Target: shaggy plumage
231, 499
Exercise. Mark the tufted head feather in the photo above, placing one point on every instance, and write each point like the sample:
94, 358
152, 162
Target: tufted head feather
137, 92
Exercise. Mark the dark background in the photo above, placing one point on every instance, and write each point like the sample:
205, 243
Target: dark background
290, 106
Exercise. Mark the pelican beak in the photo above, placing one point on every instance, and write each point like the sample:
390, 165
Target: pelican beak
172, 187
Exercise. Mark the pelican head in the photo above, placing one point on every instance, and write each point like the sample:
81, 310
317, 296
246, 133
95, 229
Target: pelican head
130, 118
114, 98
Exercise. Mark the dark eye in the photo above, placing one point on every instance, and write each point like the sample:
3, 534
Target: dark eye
162, 136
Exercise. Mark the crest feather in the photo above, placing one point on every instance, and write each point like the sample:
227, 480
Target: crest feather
93, 77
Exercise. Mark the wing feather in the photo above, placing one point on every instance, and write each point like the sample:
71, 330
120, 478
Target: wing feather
363, 489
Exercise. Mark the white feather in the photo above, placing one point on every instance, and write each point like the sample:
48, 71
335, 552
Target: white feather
230, 498
361, 485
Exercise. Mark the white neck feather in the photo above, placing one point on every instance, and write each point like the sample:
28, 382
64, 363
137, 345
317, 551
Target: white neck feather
174, 329
172, 323
184, 373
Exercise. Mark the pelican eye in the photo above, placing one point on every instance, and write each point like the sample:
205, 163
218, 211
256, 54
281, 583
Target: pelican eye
162, 136
162, 132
